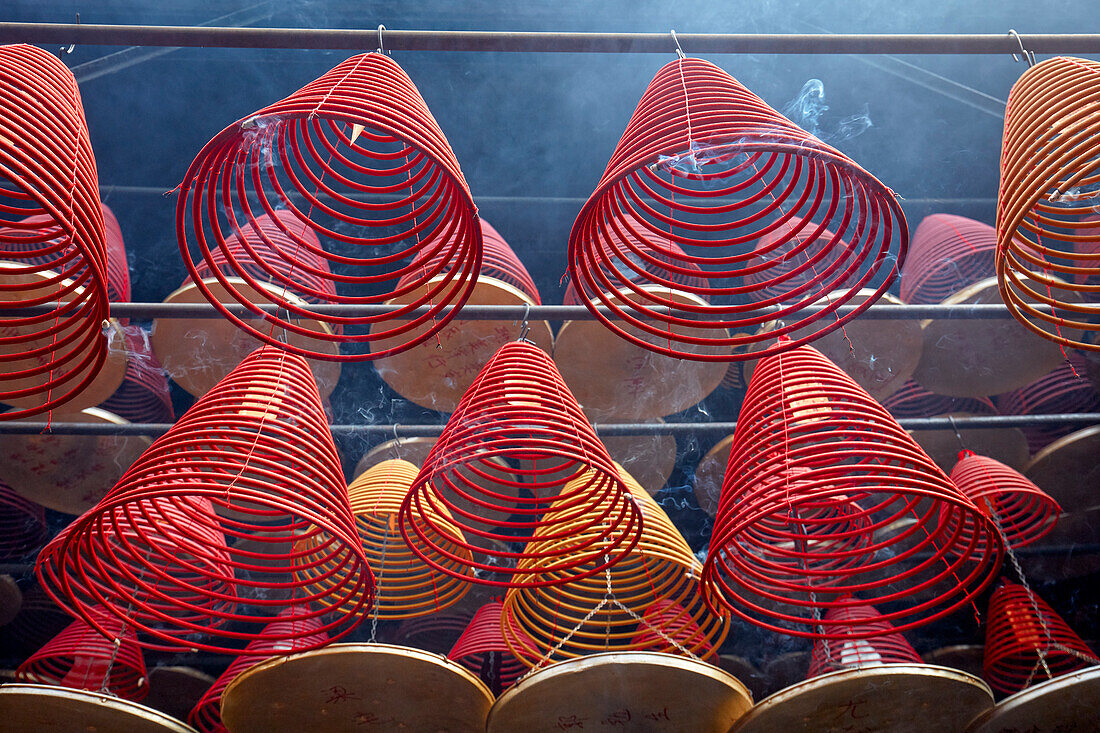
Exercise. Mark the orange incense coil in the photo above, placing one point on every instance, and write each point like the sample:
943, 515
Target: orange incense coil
483, 650
404, 585
1066, 389
519, 408
947, 254
357, 160
873, 641
49, 172
143, 396
560, 619
705, 165
198, 538
1024, 512
22, 525
435, 373
1026, 641
82, 658
826, 496
1047, 198
278, 638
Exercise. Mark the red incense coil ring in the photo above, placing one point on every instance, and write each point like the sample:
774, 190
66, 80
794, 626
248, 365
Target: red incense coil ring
913, 400
404, 585
1024, 511
1047, 198
947, 254
708, 166
22, 525
557, 619
172, 547
873, 641
143, 396
48, 171
482, 639
1065, 389
825, 496
355, 158
82, 658
518, 407
278, 638
1016, 636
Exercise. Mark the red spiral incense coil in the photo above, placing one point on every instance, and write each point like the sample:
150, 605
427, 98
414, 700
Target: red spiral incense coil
1066, 389
564, 620
143, 396
48, 171
519, 408
1024, 512
1026, 641
1046, 202
913, 400
482, 649
947, 254
873, 641
404, 586
200, 536
708, 166
356, 159
826, 496
278, 638
82, 658
22, 525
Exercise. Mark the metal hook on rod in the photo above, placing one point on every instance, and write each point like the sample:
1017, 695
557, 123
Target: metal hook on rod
381, 46
1029, 56
679, 51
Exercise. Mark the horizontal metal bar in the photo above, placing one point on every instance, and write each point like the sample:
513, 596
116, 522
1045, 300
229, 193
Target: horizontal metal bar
602, 429
541, 41
878, 311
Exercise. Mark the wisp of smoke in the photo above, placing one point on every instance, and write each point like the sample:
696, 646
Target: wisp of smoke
807, 109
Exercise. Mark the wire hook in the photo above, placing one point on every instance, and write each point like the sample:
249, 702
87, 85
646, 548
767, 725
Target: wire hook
395, 446
1029, 56
381, 46
679, 51
62, 52
958, 435
524, 326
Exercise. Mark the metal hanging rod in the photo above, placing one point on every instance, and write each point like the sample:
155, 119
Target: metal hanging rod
878, 311
543, 41
602, 429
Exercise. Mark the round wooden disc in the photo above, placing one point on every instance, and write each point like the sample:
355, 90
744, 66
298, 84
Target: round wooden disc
357, 687
630, 691
879, 355
1069, 470
69, 473
1007, 445
48, 709
965, 657
11, 599
981, 357
1067, 703
197, 353
899, 698
106, 381
648, 458
709, 475
176, 690
436, 373
614, 377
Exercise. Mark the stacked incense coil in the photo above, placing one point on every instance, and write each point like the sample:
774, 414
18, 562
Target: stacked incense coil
1026, 641
357, 160
1024, 512
519, 408
50, 174
404, 585
1046, 201
167, 548
873, 641
826, 497
278, 638
948, 253
706, 165
436, 373
436, 633
483, 650
22, 525
564, 618
143, 396
1066, 389
83, 658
